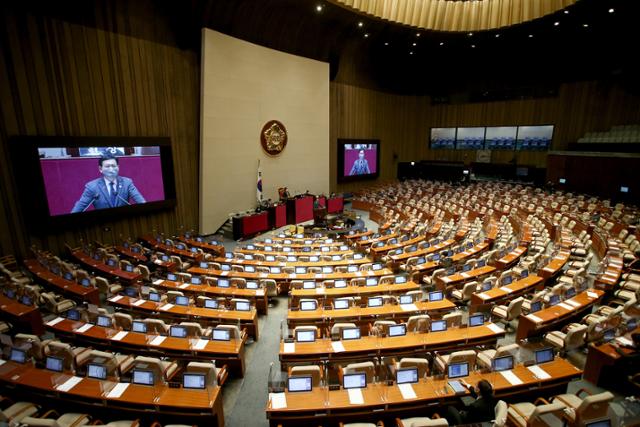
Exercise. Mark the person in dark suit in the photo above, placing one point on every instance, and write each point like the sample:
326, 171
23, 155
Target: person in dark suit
482, 409
360, 165
108, 191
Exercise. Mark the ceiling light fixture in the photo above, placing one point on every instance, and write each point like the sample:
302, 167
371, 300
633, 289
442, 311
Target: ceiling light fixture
612, 10
497, 35
414, 43
360, 24
566, 12
319, 8
441, 43
556, 23
470, 34
585, 25
417, 34
411, 53
530, 36
366, 35
473, 46
386, 43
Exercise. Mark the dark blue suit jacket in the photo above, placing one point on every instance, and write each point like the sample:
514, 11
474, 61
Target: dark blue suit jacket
97, 192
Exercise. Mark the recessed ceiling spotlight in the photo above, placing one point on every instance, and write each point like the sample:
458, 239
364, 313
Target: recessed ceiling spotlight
441, 43
366, 35
612, 10
585, 25
530, 36
411, 53
360, 24
556, 23
414, 43
386, 43
473, 46
417, 34
470, 34
319, 8
566, 12
498, 35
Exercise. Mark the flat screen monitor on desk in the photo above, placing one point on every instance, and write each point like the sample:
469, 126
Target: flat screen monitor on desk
351, 333
307, 284
243, 306
458, 370
555, 299
400, 279
299, 384
524, 274
275, 270
138, 326
543, 355
182, 300
308, 305
397, 330
340, 304
97, 371
535, 306
481, 263
178, 332
194, 381
223, 283
340, 283
85, 282
305, 336
327, 269
503, 363
352, 268
570, 293
54, 363
357, 380
301, 270
601, 423
172, 277
374, 302
486, 286
210, 303
142, 377
507, 280
221, 335
371, 281
252, 285
73, 314
438, 325
407, 376
436, 296
154, 296
476, 319
406, 299
104, 321
250, 269
17, 355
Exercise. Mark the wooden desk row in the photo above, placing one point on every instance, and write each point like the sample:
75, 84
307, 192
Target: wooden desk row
608, 279
457, 279
59, 284
256, 263
381, 400
24, 317
286, 277
372, 346
171, 250
101, 268
553, 317
422, 252
257, 296
206, 247
363, 315
198, 406
508, 292
205, 316
381, 250
321, 293
223, 352
458, 258
555, 265
511, 258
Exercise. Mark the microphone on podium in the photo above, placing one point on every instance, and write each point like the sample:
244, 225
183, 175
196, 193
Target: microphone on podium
96, 197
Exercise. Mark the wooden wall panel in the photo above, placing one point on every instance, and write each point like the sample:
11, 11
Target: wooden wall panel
402, 123
119, 75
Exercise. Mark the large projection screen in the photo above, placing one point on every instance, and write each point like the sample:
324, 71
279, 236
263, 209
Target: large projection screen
243, 87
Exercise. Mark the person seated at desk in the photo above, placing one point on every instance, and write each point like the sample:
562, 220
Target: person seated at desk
482, 409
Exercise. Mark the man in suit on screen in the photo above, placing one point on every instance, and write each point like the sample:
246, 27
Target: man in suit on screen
360, 165
108, 191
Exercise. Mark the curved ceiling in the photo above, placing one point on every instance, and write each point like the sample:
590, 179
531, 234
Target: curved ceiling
456, 15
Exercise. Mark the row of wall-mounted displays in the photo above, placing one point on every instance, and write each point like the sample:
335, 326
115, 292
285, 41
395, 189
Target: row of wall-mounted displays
531, 138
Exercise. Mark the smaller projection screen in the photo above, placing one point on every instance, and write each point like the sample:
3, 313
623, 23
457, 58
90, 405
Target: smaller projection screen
470, 138
443, 138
